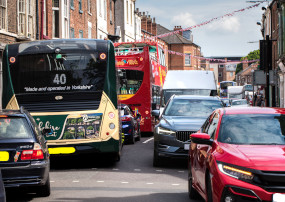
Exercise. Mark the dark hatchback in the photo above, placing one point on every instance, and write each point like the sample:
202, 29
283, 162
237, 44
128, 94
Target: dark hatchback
24, 156
130, 124
182, 116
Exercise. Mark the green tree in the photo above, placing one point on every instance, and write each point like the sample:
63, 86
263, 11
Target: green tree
253, 55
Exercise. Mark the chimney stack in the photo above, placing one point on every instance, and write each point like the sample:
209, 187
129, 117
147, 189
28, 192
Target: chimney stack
154, 27
177, 28
149, 24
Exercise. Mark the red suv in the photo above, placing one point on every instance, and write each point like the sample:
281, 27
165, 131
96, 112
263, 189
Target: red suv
239, 155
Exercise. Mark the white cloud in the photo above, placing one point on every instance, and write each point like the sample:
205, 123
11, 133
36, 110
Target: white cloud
183, 19
227, 24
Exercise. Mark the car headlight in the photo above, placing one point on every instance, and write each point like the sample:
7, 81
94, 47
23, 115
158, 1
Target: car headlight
164, 131
236, 172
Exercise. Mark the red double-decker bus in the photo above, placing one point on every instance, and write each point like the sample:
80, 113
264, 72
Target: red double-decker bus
142, 69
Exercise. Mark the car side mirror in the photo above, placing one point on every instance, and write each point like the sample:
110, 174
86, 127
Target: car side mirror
201, 138
155, 113
47, 131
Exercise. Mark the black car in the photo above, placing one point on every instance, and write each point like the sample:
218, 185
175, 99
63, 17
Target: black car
183, 115
24, 156
130, 124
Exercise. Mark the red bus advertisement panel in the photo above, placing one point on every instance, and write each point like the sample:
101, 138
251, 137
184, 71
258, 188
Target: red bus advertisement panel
136, 85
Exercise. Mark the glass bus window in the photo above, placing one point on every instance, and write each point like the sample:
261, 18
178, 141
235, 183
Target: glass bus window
131, 81
71, 71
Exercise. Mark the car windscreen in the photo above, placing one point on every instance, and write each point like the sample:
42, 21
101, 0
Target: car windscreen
14, 128
167, 93
69, 71
192, 107
253, 129
239, 102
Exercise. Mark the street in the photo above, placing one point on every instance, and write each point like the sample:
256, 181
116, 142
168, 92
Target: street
132, 179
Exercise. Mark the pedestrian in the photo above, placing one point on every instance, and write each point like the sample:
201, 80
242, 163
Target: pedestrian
254, 99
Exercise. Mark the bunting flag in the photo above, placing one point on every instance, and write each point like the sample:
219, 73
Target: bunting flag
211, 59
206, 22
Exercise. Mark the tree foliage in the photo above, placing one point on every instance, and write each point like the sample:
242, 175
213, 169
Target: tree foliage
253, 55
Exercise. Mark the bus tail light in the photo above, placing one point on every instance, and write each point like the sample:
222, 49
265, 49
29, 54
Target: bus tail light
36, 153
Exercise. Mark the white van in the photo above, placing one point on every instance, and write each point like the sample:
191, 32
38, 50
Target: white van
236, 92
188, 82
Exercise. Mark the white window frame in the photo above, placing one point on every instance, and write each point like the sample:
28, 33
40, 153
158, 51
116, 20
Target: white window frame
22, 17
127, 7
3, 7
89, 30
65, 20
105, 9
44, 18
131, 12
54, 9
89, 6
100, 7
30, 18
186, 59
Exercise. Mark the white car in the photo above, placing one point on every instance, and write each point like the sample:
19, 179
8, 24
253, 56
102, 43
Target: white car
240, 103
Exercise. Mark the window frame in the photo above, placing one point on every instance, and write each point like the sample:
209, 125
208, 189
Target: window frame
187, 58
4, 16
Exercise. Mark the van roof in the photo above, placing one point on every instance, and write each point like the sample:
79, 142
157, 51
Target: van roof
190, 79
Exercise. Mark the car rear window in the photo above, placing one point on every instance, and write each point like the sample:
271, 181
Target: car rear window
197, 108
253, 129
14, 128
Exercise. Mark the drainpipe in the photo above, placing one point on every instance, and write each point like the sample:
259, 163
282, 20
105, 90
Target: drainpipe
37, 19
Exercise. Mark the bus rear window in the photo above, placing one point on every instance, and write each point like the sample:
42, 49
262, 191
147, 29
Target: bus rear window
64, 72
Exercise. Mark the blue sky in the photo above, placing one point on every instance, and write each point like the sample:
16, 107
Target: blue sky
229, 36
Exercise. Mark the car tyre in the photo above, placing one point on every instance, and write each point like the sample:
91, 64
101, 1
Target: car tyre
139, 136
44, 191
192, 192
132, 140
156, 159
209, 189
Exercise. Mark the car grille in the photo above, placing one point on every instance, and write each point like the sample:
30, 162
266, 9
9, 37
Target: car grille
183, 135
271, 181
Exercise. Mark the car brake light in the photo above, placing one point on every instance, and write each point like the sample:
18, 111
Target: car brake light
126, 118
36, 153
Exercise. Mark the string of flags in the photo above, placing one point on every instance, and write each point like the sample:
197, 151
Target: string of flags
207, 22
154, 38
210, 59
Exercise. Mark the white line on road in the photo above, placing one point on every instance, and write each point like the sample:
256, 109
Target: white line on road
181, 171
51, 181
124, 182
148, 140
158, 170
175, 184
115, 169
149, 183
100, 181
75, 181
138, 170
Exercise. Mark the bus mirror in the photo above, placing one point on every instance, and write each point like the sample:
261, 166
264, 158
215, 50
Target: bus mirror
47, 131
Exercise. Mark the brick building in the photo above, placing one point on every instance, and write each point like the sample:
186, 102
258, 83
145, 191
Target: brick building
245, 76
180, 44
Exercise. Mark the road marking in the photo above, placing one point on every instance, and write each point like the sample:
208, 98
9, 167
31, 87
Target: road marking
175, 184
115, 169
181, 171
94, 168
100, 181
124, 182
75, 181
149, 183
138, 170
51, 181
148, 140
158, 170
